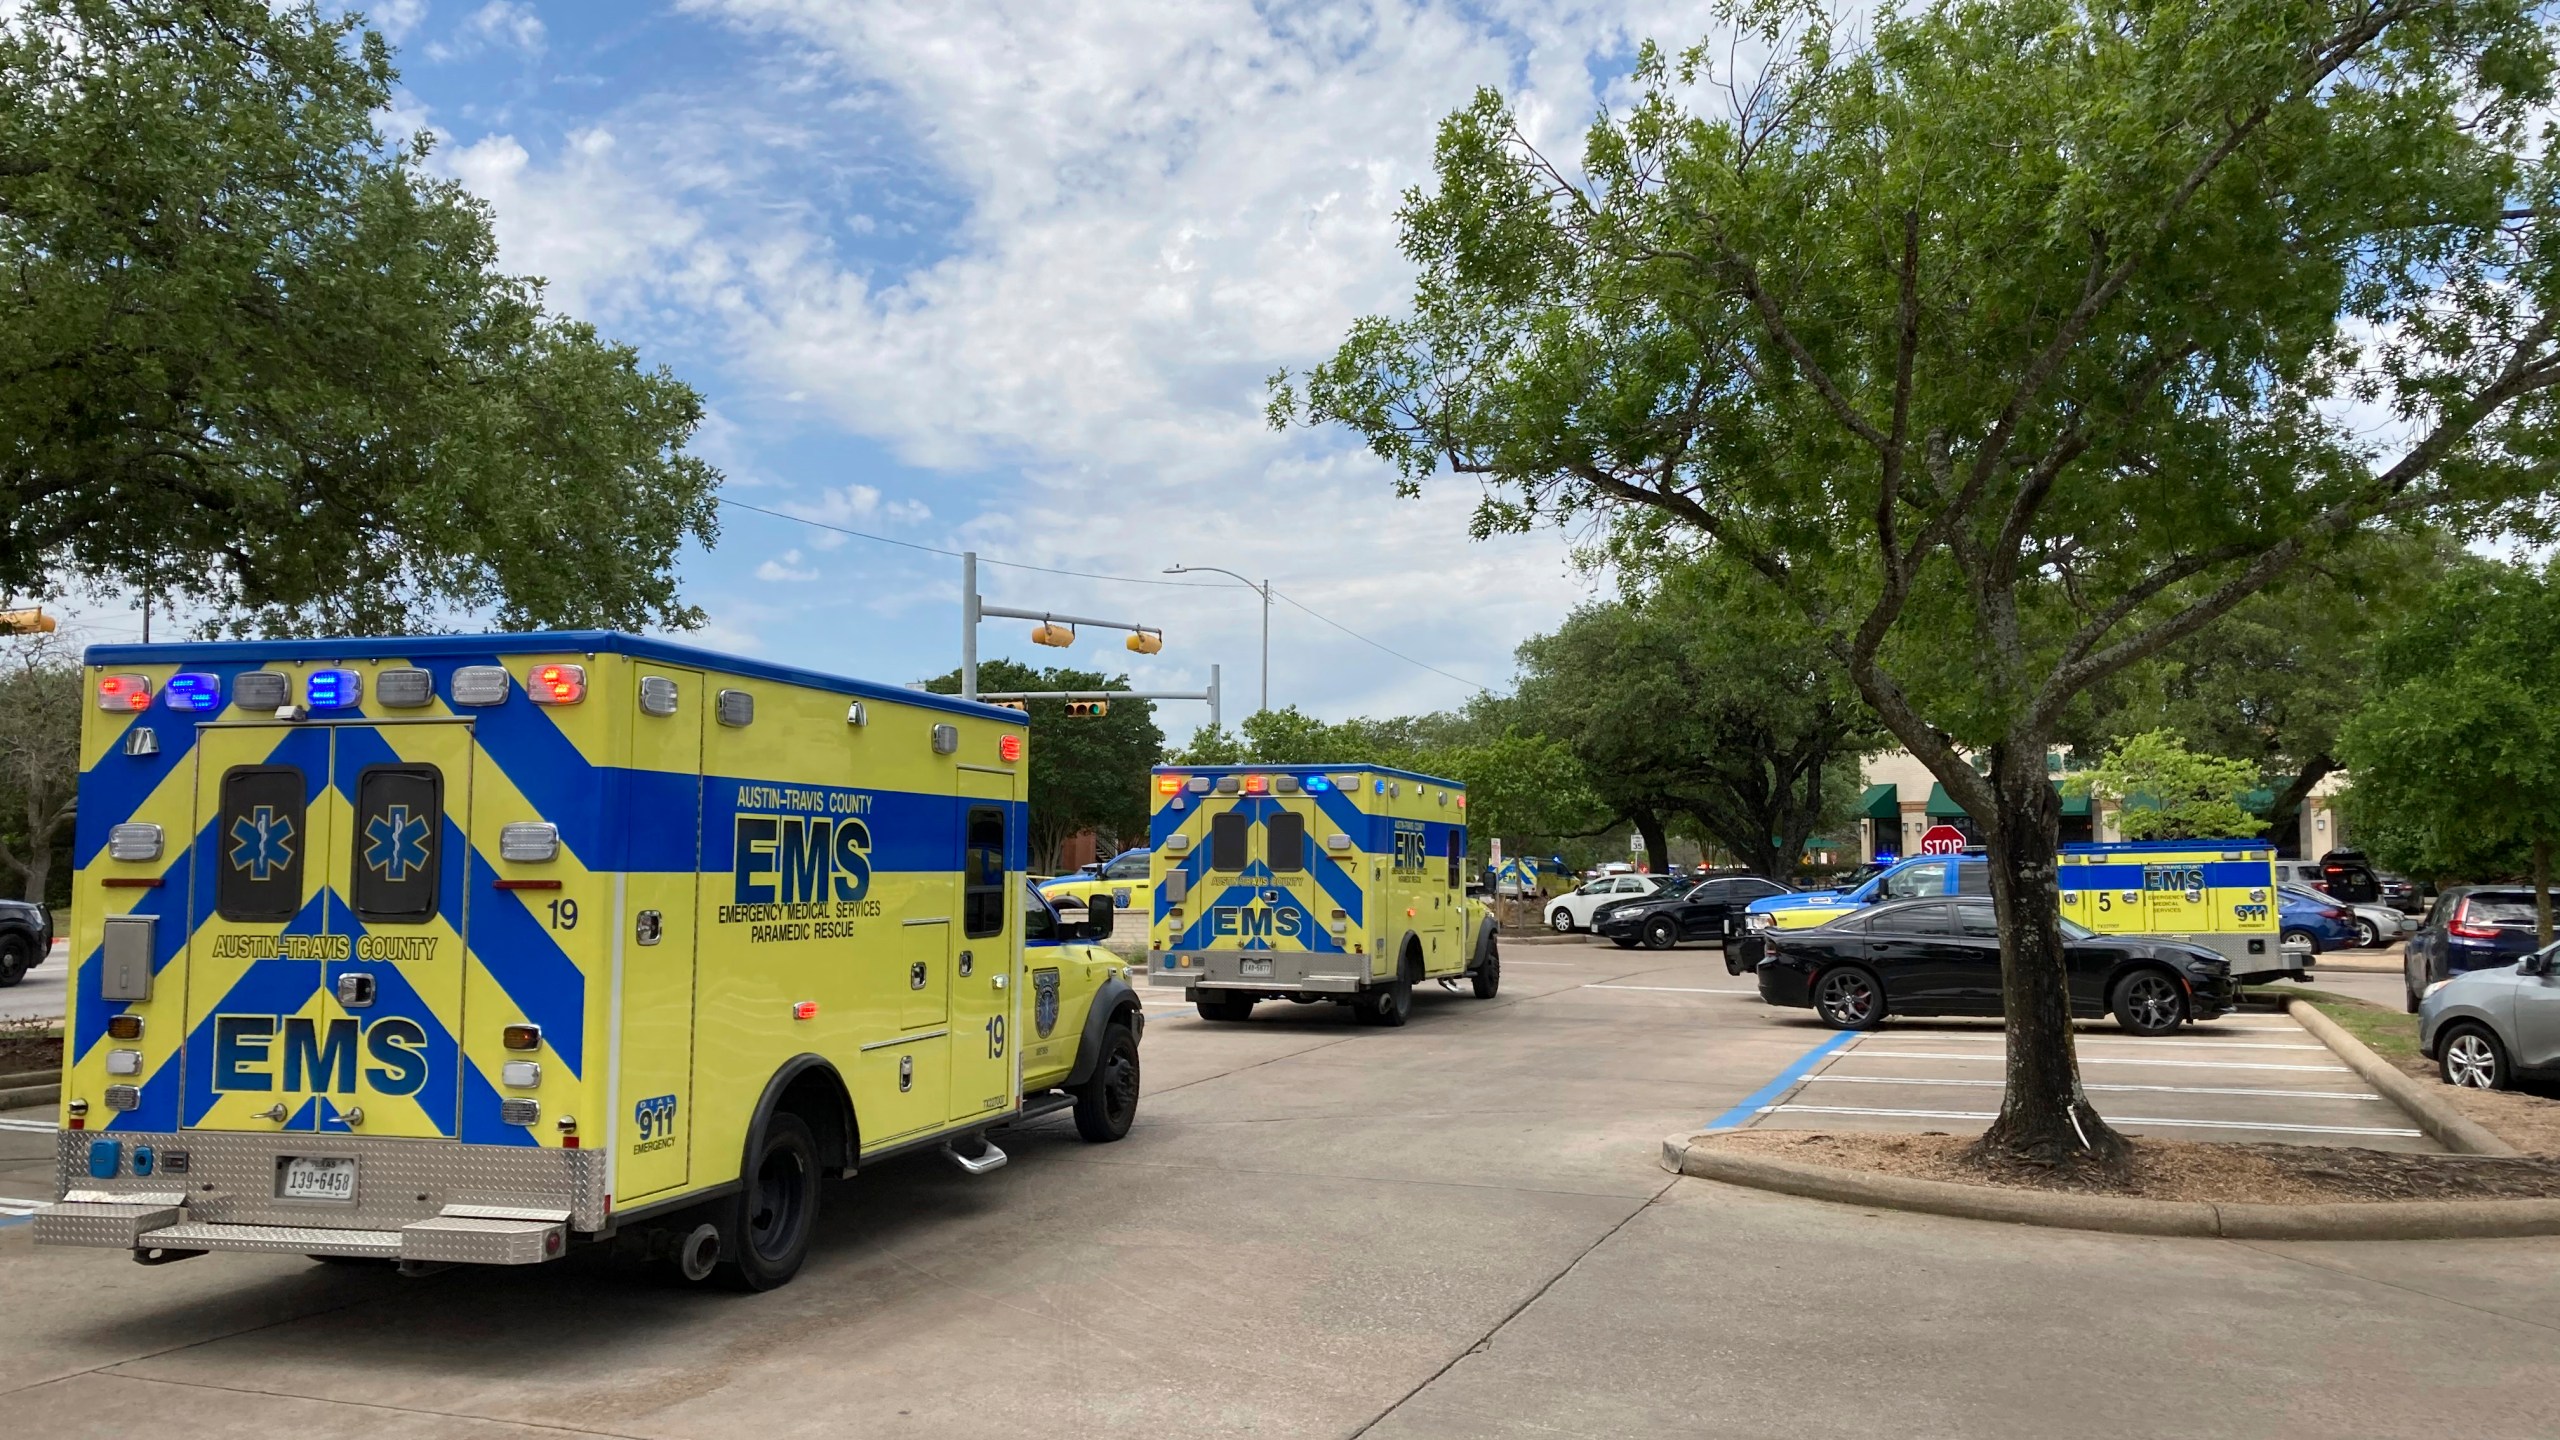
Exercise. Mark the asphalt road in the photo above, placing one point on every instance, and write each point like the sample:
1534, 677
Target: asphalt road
41, 993
1454, 1229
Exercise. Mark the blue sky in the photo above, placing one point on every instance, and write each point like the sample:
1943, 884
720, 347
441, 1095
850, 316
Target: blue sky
1007, 275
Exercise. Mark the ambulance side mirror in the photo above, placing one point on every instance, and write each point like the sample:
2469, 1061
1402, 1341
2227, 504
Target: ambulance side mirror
1097, 918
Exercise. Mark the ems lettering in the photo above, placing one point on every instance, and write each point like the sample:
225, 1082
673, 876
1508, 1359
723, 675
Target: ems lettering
800, 859
1255, 922
250, 1050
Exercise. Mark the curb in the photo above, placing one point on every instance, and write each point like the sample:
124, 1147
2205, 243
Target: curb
46, 1094
2451, 1128
2375, 1220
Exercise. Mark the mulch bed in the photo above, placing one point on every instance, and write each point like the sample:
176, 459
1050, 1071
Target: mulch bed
2179, 1169
25, 1048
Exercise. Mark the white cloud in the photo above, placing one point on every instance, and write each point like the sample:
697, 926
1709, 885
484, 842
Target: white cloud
1157, 203
500, 24
784, 568
396, 19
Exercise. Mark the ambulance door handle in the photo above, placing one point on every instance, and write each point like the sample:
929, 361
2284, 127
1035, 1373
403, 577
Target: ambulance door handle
999, 980
915, 976
968, 963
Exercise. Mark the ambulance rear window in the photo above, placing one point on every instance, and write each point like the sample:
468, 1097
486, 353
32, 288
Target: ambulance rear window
1227, 836
259, 837
982, 899
1286, 834
399, 840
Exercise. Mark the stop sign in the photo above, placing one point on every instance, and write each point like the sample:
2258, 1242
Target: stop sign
1942, 840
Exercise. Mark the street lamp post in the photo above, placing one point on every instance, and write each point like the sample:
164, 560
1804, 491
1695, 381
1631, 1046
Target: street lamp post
1265, 588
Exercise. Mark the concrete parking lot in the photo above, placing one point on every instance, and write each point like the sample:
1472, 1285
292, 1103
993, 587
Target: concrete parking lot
1454, 1229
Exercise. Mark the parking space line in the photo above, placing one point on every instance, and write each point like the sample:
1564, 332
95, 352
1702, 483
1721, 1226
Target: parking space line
2103, 1060
2147, 1089
1944, 1038
33, 1127
2111, 1119
1785, 1080
1683, 989
12, 1205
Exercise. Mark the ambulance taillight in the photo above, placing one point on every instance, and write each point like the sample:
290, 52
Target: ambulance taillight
1168, 784
124, 692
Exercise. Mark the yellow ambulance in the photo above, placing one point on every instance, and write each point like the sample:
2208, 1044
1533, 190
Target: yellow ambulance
473, 949
1344, 883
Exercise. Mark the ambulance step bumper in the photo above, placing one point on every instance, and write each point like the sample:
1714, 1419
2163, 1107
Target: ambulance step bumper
158, 1222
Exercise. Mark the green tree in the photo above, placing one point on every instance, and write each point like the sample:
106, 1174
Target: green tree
252, 354
2004, 340
40, 704
2456, 762
1088, 772
2169, 792
1705, 700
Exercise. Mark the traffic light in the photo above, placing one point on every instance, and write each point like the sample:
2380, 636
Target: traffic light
1146, 642
1022, 705
1088, 707
25, 622
1049, 632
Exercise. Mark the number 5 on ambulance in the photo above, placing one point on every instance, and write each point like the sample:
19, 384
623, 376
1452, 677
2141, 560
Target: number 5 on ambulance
475, 949
1344, 883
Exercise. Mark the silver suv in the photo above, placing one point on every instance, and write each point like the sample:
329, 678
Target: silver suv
2484, 1028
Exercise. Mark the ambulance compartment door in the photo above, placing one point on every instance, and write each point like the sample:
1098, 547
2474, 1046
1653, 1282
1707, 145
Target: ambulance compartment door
398, 871
652, 1094
253, 964
986, 946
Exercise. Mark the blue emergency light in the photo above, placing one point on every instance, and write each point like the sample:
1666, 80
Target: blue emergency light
1317, 784
194, 690
333, 689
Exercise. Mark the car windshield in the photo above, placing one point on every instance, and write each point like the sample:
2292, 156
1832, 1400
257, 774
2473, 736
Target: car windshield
2074, 930
1132, 866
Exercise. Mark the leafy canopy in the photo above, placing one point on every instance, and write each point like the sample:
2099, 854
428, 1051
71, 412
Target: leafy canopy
2456, 761
2169, 792
251, 353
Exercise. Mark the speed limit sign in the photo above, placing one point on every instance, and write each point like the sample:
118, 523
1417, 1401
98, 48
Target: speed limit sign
1942, 840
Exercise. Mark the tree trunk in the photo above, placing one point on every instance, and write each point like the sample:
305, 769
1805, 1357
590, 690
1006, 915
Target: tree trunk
2287, 805
2045, 1120
2541, 892
39, 870
1657, 849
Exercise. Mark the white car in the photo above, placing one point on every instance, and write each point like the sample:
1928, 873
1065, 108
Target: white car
1570, 912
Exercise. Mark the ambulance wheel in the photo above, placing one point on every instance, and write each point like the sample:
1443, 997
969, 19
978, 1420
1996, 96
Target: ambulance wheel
1109, 1101
1224, 1007
1488, 976
767, 1234
1389, 1005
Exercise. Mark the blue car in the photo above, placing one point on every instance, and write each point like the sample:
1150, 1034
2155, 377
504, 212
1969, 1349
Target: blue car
2470, 927
2312, 916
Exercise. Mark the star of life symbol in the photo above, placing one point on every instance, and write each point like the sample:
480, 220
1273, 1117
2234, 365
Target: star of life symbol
262, 842
396, 843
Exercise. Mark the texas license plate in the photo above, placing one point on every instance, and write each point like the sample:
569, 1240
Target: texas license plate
1254, 968
316, 1177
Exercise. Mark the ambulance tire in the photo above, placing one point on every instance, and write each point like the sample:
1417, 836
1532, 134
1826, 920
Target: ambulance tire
1488, 971
1108, 1102
1388, 1005
766, 1234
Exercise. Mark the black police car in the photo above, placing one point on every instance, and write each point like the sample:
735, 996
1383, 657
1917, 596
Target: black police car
26, 933
1710, 909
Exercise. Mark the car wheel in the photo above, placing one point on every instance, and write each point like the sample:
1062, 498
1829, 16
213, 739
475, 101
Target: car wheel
2147, 1002
2368, 934
2474, 1059
771, 1218
1389, 1006
1224, 1007
1849, 998
2303, 937
1109, 1100
1625, 942
1661, 933
1560, 920
1488, 976
2413, 996
17, 957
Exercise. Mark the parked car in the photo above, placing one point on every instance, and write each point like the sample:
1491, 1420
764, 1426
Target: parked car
2401, 893
2375, 924
1572, 911
1942, 957
1711, 909
2470, 927
2309, 917
2485, 1028
26, 936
